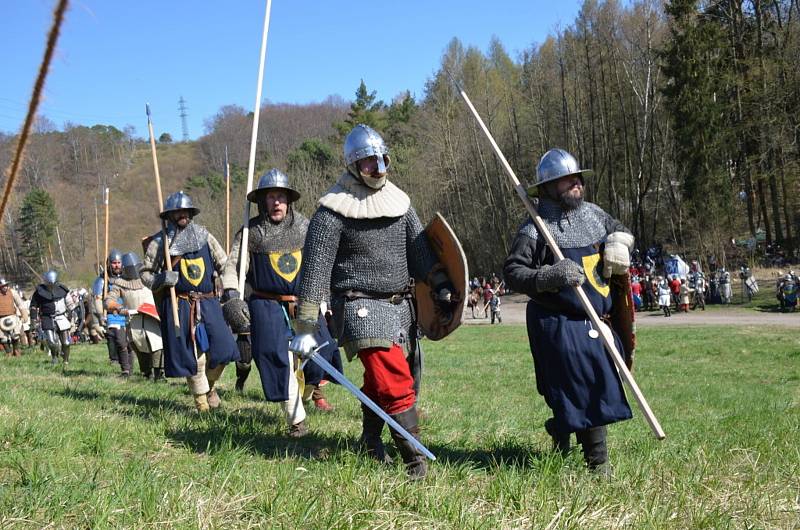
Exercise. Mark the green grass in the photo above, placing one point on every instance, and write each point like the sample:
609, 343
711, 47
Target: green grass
88, 450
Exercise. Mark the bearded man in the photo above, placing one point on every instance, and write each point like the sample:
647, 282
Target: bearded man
574, 373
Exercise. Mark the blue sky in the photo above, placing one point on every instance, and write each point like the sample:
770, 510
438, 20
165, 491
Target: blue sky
115, 55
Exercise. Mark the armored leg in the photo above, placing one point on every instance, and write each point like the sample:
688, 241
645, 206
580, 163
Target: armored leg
244, 364
371, 430
595, 451
65, 342
158, 365
415, 463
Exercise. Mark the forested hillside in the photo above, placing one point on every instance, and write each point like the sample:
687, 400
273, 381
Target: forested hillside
687, 111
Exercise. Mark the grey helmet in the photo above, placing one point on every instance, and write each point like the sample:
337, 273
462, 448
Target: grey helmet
131, 265
97, 286
178, 201
50, 277
114, 255
3, 281
557, 163
274, 178
363, 142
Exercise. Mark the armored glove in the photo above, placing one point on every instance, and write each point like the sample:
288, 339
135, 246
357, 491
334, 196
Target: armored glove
237, 315
303, 344
565, 273
617, 254
164, 280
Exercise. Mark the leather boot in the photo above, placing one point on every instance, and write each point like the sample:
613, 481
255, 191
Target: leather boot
415, 463
242, 372
561, 440
372, 427
213, 398
320, 402
595, 451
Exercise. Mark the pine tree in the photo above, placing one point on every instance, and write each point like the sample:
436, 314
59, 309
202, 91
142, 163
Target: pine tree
37, 225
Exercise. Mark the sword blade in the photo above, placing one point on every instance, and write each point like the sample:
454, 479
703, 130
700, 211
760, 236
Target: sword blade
362, 397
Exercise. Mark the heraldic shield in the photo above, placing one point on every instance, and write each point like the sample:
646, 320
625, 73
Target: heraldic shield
433, 323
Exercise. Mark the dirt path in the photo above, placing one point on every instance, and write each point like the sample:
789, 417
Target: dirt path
513, 312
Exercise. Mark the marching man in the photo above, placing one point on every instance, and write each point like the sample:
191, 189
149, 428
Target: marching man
49, 300
275, 245
11, 307
203, 344
364, 245
574, 373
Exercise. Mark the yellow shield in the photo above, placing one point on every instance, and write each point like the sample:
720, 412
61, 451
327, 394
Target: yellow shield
193, 270
597, 281
286, 264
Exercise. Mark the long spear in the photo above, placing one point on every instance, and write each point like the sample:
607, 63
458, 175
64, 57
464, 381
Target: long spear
608, 340
106, 194
251, 164
227, 204
96, 238
167, 263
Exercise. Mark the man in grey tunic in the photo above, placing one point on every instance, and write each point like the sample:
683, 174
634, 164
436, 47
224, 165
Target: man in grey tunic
364, 245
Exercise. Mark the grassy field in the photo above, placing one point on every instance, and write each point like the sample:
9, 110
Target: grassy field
88, 450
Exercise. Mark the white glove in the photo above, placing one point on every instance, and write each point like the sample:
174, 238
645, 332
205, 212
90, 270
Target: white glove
303, 344
617, 254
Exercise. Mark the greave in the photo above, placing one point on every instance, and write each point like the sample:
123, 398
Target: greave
414, 460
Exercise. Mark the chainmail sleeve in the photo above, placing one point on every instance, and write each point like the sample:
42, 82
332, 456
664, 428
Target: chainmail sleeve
218, 255
421, 258
522, 265
319, 252
151, 265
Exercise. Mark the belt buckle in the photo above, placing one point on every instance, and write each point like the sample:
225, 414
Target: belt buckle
396, 298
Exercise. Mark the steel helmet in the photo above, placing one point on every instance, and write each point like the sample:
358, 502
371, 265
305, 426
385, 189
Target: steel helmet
557, 163
363, 142
274, 178
50, 277
3, 281
179, 201
131, 265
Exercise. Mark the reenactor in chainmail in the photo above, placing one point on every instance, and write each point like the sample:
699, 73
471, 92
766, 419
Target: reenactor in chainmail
116, 333
12, 313
365, 243
203, 344
49, 301
274, 255
574, 373
130, 298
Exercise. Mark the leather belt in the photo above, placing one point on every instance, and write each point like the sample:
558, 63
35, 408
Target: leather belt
274, 296
392, 298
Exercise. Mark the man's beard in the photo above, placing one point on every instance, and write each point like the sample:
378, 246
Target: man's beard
568, 202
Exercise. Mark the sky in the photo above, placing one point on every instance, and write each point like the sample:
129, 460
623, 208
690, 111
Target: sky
113, 56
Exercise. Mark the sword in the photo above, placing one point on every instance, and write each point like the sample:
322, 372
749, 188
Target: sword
362, 397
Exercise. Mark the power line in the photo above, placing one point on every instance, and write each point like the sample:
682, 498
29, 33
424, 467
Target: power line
183, 108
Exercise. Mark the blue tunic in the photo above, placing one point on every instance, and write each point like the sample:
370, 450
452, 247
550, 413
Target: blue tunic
574, 373
270, 329
212, 335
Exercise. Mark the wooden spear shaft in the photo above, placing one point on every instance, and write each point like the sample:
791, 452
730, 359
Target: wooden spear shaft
608, 340
167, 264
96, 238
227, 204
106, 198
251, 164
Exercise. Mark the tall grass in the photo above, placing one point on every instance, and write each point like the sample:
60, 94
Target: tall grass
87, 449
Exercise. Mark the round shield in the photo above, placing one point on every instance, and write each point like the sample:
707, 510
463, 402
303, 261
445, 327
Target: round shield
8, 323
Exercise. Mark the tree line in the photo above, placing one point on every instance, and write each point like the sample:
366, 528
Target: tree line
687, 111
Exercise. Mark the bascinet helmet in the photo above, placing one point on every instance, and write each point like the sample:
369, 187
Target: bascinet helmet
274, 178
179, 201
557, 163
131, 265
50, 277
363, 142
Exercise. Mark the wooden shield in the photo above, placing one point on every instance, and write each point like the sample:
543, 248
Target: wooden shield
433, 323
623, 314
